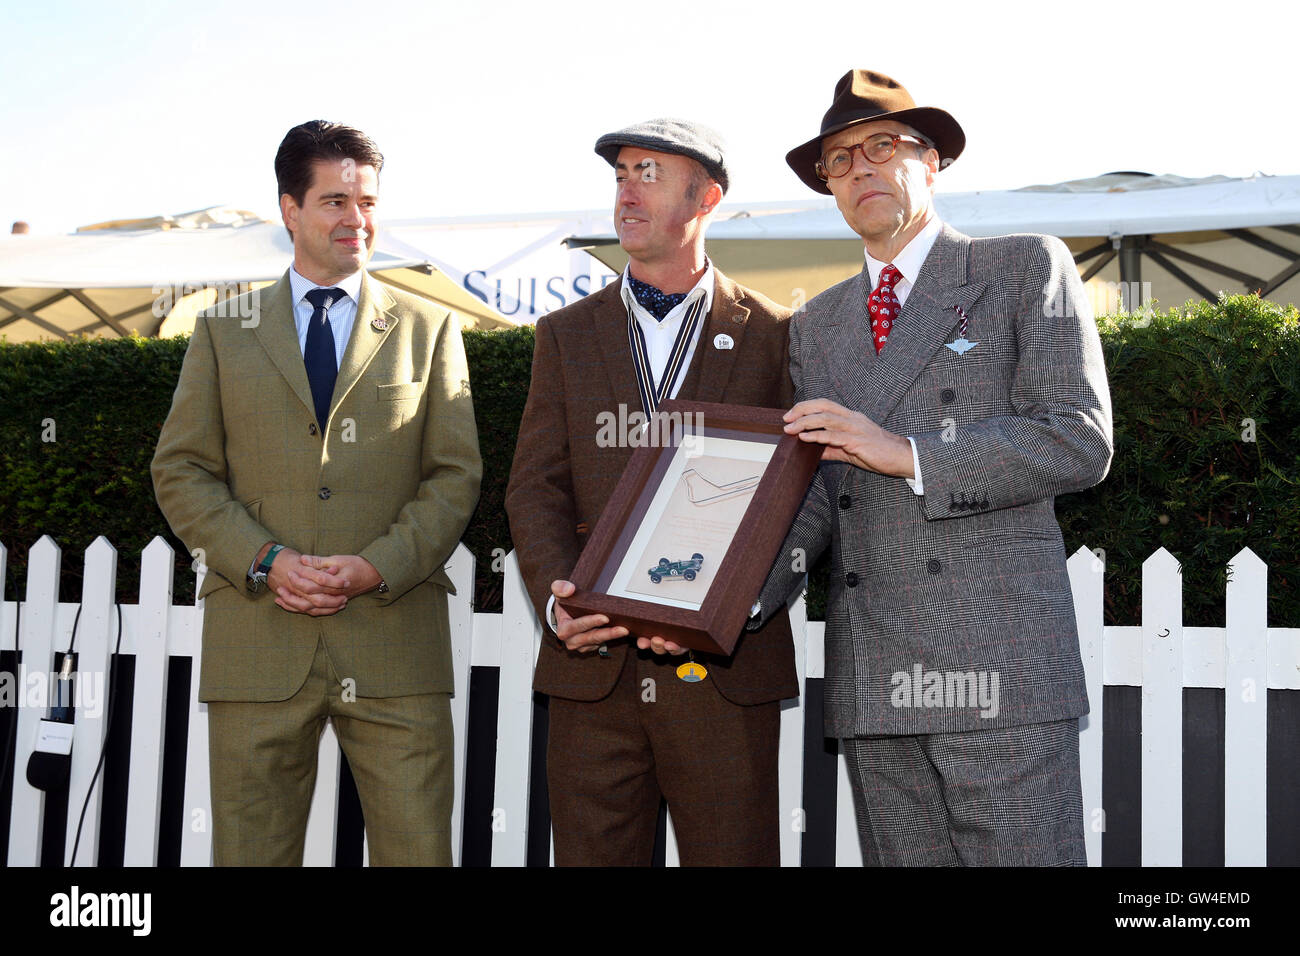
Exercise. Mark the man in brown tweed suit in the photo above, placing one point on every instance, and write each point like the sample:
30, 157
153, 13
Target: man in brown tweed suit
624, 730
321, 458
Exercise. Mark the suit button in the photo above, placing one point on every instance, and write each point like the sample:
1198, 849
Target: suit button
947, 396
324, 494
851, 580
933, 566
311, 429
603, 651
845, 501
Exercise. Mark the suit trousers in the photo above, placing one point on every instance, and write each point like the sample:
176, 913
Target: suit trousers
654, 735
263, 766
1005, 797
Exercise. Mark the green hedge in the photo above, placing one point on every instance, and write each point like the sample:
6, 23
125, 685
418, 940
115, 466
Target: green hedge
1207, 455
1186, 475
108, 399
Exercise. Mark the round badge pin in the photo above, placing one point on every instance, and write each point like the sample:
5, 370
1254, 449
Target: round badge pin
723, 341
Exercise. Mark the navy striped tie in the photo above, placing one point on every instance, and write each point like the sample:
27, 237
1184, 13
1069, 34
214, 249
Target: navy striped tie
322, 364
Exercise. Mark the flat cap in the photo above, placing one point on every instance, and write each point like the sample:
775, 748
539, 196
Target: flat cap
679, 136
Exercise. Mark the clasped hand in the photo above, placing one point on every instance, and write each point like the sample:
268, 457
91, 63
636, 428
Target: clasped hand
319, 586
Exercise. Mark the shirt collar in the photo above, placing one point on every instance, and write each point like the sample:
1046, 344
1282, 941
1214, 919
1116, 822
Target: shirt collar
300, 285
704, 287
912, 257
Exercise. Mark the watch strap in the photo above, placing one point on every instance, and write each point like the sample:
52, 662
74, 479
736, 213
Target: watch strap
264, 566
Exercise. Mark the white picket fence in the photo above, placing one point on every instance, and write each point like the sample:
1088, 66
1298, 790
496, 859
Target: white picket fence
1246, 658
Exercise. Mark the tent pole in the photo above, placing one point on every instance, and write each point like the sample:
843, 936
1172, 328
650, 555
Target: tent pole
1130, 258
1130, 270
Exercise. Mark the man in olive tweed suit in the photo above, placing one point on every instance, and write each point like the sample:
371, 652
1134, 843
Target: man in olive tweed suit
709, 748
958, 386
321, 459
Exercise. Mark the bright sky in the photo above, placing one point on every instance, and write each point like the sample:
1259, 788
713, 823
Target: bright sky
123, 110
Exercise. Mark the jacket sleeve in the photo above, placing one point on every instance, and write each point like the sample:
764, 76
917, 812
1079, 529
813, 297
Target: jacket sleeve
190, 474
427, 528
1059, 439
539, 496
811, 532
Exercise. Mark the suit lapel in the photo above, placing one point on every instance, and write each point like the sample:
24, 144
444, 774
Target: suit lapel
927, 320
276, 331
843, 338
609, 334
366, 338
711, 366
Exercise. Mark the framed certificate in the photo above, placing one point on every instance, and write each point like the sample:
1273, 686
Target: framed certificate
686, 540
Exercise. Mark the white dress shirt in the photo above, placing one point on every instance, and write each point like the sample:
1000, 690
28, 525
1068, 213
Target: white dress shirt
908, 262
661, 334
342, 314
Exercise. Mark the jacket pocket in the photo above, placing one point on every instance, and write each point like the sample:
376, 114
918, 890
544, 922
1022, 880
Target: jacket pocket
399, 391
1000, 539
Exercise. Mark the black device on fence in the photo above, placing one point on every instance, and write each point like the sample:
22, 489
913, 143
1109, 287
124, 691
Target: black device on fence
50, 764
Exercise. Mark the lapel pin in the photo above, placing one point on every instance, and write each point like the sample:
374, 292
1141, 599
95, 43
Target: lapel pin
379, 324
960, 345
723, 341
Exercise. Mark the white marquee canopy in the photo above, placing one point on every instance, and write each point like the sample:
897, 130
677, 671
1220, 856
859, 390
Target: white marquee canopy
1187, 238
125, 277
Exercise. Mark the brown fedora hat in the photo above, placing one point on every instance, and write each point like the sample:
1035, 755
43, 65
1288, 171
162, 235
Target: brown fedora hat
863, 96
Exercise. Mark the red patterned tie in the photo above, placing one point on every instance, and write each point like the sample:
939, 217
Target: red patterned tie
884, 306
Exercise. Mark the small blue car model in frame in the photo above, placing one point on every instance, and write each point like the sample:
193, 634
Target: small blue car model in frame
676, 569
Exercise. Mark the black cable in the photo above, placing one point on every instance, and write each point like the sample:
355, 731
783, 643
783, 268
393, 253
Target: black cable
108, 728
66, 665
12, 736
72, 641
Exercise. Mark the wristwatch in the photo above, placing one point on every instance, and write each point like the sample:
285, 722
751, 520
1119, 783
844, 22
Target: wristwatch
257, 580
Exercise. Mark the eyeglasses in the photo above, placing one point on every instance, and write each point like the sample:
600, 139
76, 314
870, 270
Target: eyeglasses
878, 149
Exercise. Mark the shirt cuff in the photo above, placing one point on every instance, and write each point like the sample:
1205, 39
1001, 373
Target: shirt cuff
915, 483
550, 616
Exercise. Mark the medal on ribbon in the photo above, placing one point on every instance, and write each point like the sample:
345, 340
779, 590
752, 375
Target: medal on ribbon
960, 345
692, 671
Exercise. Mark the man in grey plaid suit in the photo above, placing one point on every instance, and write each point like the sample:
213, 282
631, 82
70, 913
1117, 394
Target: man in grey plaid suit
958, 387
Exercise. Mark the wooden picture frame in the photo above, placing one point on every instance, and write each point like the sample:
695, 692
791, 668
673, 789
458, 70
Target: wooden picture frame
610, 576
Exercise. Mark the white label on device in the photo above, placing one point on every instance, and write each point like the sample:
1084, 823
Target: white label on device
55, 737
